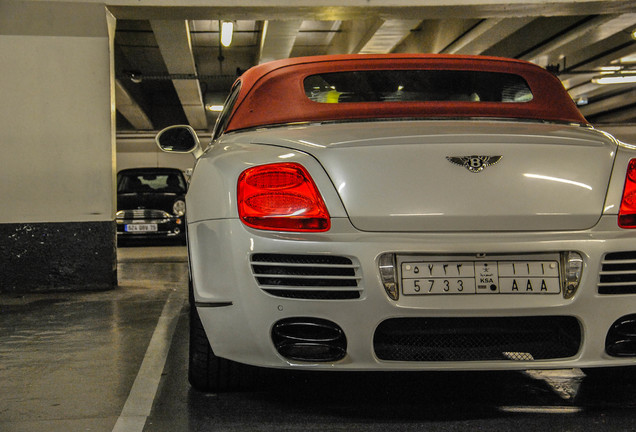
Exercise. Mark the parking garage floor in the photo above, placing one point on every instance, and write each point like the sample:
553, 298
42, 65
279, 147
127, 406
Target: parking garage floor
68, 361
117, 361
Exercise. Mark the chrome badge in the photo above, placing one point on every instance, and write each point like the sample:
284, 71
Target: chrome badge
474, 163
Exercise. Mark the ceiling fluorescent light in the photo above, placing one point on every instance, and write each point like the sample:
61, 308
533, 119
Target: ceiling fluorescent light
227, 28
214, 108
615, 79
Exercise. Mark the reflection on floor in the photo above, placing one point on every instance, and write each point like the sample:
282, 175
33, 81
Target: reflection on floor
68, 361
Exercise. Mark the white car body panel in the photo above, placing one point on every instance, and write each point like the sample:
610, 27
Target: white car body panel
377, 209
539, 184
238, 316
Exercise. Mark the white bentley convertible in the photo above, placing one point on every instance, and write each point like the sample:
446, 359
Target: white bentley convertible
407, 212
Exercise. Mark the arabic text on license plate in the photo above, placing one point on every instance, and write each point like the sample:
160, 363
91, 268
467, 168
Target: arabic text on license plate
141, 227
480, 277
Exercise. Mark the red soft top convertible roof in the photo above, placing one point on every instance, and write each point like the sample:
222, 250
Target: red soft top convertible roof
273, 93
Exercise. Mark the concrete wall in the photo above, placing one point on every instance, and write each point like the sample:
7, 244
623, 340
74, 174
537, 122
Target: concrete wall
625, 133
141, 151
57, 229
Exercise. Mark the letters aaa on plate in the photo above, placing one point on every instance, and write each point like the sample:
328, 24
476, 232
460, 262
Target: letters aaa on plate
480, 277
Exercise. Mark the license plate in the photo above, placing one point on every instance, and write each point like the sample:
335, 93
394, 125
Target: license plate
480, 277
141, 227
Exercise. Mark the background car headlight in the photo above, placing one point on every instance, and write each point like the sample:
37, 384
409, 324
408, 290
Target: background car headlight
179, 207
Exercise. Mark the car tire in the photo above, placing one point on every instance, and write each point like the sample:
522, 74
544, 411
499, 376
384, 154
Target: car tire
209, 373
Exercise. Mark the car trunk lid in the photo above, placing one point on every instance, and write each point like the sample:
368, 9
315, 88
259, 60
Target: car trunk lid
464, 176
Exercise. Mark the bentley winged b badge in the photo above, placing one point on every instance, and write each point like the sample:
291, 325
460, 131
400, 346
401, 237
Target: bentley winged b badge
474, 163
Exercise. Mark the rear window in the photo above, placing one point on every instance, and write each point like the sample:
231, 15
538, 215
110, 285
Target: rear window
416, 86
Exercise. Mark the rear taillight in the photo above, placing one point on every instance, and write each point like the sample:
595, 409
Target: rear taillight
281, 197
627, 213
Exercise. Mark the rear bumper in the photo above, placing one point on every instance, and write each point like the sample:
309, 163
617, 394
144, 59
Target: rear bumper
239, 314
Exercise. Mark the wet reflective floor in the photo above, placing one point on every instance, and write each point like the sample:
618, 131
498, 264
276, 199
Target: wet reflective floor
117, 361
449, 401
68, 361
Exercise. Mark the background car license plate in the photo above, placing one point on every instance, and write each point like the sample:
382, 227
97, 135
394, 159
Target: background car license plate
480, 277
141, 227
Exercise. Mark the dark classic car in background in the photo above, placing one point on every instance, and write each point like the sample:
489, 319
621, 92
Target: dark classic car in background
407, 212
150, 204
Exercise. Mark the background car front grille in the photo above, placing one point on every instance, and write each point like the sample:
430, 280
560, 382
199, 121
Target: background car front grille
618, 273
475, 339
145, 214
312, 277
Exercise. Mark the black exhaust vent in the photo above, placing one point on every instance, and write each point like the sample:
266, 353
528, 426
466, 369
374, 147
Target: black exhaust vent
309, 339
311, 277
618, 274
621, 338
477, 339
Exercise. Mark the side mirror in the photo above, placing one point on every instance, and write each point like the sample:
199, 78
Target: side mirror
179, 139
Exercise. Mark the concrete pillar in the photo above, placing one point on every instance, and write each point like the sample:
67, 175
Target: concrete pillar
57, 143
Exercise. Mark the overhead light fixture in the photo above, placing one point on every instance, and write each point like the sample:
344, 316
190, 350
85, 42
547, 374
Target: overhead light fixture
616, 78
227, 28
581, 101
214, 101
134, 76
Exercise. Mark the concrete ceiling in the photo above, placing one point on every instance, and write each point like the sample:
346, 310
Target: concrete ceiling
169, 63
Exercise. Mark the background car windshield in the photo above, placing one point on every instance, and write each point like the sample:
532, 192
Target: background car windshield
170, 183
416, 85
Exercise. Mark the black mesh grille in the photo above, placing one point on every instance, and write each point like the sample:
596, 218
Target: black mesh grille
144, 214
475, 339
618, 274
272, 269
300, 259
315, 295
306, 282
315, 277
